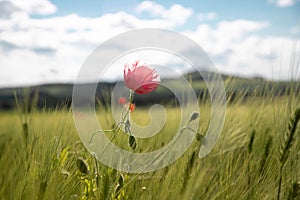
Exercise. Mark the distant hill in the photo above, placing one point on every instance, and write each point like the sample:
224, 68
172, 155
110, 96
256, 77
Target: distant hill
55, 95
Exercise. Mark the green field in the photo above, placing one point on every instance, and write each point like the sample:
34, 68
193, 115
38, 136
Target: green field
41, 156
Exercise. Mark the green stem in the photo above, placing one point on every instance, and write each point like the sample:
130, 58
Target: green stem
117, 129
279, 182
123, 121
131, 95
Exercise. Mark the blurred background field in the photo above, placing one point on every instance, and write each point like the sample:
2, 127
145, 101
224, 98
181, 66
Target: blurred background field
41, 156
237, 89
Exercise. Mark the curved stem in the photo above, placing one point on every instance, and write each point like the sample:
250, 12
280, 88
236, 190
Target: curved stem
117, 129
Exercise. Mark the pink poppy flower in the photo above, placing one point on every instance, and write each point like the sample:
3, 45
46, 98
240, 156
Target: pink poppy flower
141, 79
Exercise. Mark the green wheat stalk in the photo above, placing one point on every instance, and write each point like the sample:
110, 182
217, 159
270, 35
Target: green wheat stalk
286, 146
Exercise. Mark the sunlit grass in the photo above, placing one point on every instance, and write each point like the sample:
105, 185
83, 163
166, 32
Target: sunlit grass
46, 166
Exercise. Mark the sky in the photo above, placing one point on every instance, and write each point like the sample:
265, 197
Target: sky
47, 41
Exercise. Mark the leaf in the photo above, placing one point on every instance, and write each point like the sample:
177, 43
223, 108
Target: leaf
121, 180
82, 166
194, 116
127, 127
117, 190
132, 142
119, 186
201, 138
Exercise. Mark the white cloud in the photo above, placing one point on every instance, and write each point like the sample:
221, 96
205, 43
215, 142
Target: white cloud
284, 3
31, 50
206, 16
225, 34
71, 29
176, 13
39, 7
31, 47
151, 7
235, 48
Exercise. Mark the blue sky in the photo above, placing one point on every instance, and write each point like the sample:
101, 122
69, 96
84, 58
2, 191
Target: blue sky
44, 41
282, 18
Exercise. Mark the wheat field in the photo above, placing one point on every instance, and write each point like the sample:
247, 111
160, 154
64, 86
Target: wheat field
256, 157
